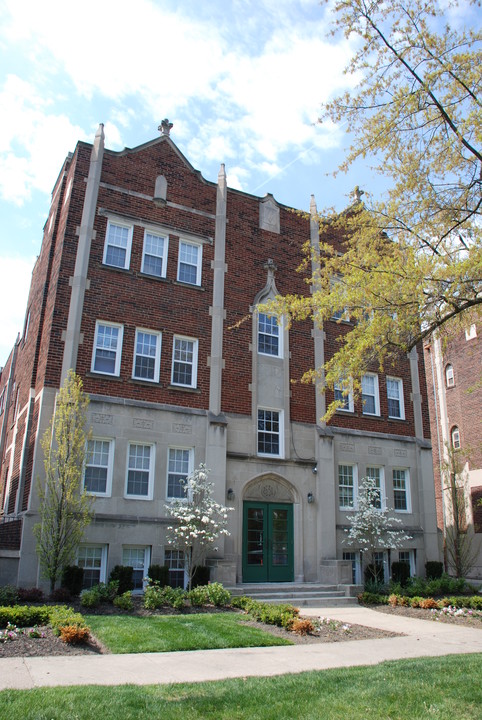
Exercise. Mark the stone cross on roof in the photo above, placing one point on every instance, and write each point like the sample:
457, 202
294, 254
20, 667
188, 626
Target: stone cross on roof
165, 127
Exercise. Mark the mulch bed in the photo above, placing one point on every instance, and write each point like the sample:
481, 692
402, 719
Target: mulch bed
52, 645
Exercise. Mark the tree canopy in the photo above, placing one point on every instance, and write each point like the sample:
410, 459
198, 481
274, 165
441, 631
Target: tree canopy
409, 263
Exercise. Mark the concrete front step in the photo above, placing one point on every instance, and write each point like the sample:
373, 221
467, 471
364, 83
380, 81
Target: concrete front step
299, 594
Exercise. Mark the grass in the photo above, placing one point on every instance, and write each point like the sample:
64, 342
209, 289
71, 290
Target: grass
423, 689
158, 633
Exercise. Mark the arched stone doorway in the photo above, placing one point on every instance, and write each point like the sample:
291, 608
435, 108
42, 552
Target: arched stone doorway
270, 522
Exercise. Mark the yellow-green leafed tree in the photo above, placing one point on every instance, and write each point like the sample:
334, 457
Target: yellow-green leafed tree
65, 507
410, 263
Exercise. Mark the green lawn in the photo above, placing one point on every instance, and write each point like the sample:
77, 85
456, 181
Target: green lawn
446, 688
158, 633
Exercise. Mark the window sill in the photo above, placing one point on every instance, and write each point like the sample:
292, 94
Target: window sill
182, 388
124, 271
148, 276
189, 285
145, 383
103, 376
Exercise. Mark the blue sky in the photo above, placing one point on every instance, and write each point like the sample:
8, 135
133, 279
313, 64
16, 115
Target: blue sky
242, 81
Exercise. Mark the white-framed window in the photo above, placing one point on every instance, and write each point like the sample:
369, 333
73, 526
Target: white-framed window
190, 262
269, 335
401, 490
138, 557
179, 466
396, 406
184, 361
449, 375
354, 558
106, 356
270, 433
140, 471
455, 435
407, 556
117, 247
380, 560
471, 332
174, 559
93, 559
378, 475
370, 395
147, 355
347, 486
98, 466
154, 254
343, 392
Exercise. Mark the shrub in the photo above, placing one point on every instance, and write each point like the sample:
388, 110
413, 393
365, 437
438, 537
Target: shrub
24, 615
218, 595
429, 604
122, 574
8, 595
61, 594
124, 601
393, 600
401, 572
198, 595
30, 594
201, 576
280, 615
415, 602
302, 626
90, 599
72, 579
370, 598
433, 569
62, 616
159, 573
74, 634
155, 596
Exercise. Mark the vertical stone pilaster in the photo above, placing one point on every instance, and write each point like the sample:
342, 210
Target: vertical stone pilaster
79, 281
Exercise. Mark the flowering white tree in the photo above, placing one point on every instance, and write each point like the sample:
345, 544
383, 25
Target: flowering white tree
371, 525
199, 520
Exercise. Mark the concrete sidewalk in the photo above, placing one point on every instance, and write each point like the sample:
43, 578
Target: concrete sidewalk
422, 638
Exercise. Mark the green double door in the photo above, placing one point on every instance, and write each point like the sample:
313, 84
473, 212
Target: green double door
267, 542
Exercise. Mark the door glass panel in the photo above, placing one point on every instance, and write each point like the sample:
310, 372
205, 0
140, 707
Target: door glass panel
255, 536
279, 543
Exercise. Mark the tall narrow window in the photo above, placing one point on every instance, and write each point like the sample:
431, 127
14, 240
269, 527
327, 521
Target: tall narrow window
449, 375
347, 482
396, 407
98, 467
343, 393
140, 471
269, 433
376, 474
178, 468
154, 256
268, 335
138, 559
117, 248
92, 558
106, 358
184, 361
455, 433
370, 397
189, 266
147, 355
401, 490
174, 559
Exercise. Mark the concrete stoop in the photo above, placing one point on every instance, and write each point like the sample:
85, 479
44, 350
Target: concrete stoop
298, 594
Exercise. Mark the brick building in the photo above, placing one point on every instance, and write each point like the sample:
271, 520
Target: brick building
455, 402
144, 272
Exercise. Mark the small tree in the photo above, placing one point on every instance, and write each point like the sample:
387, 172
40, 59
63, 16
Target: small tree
371, 525
460, 545
199, 520
65, 508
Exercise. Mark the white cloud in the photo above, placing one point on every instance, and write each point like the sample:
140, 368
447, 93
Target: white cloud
16, 276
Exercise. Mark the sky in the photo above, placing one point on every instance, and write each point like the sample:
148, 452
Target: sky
242, 81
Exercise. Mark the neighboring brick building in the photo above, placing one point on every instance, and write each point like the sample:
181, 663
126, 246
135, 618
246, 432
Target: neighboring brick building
455, 401
145, 271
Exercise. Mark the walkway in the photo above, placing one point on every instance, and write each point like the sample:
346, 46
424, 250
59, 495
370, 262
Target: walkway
422, 639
